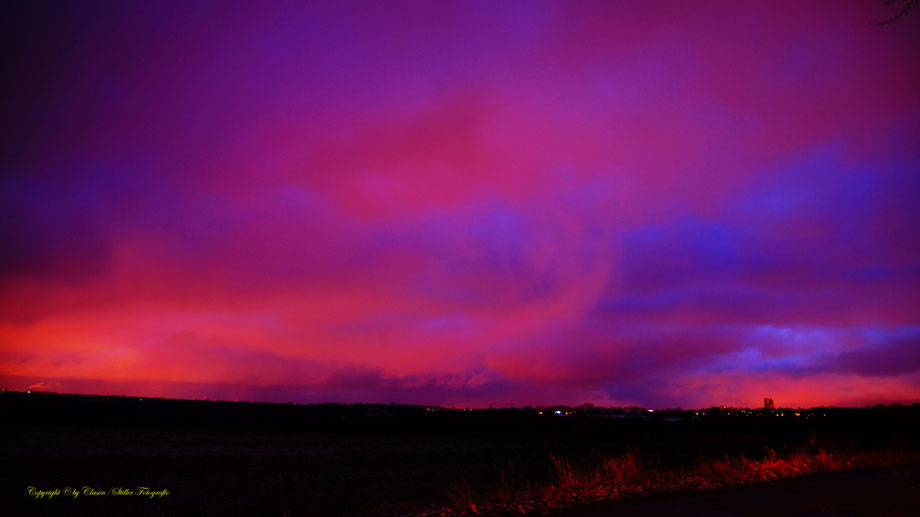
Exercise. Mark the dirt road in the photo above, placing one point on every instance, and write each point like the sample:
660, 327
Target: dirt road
885, 492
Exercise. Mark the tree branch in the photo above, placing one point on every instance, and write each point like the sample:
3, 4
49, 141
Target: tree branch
903, 12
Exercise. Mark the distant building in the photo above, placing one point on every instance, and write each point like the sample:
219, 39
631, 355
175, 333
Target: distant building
768, 403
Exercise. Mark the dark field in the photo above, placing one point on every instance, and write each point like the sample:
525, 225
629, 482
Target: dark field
889, 492
276, 459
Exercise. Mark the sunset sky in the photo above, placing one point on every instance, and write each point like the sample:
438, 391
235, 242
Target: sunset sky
467, 204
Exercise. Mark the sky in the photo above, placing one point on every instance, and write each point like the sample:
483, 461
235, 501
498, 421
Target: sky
663, 204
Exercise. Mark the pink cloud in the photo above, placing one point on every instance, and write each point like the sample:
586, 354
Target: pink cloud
466, 203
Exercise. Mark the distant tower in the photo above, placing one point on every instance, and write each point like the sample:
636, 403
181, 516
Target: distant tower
768, 403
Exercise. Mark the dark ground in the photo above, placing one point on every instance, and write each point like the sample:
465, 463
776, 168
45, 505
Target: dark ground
270, 473
244, 459
879, 492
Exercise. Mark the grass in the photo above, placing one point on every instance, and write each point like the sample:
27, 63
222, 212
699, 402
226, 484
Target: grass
629, 477
226, 473
227, 459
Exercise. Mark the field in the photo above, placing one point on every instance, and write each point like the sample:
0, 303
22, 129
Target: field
268, 459
885, 492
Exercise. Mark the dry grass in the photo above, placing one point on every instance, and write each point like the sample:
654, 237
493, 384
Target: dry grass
627, 477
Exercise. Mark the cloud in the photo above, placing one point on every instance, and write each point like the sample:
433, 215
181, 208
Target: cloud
470, 202
896, 355
51, 232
